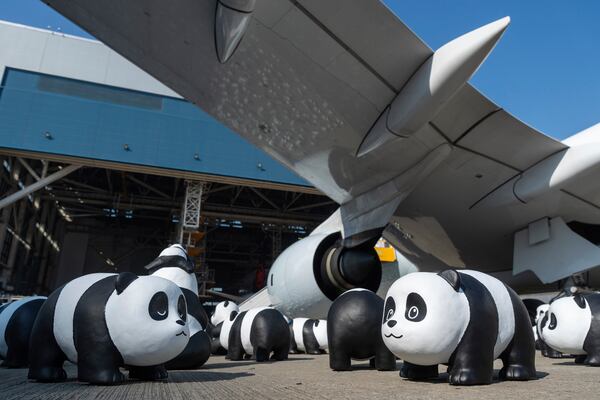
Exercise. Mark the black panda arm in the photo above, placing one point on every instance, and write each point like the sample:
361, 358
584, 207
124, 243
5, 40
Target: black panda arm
308, 336
519, 357
472, 362
98, 360
46, 358
235, 350
591, 345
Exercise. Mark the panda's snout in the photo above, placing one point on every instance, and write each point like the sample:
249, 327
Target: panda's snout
180, 322
391, 323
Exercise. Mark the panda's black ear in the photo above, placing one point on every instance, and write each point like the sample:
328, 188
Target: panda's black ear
124, 279
452, 277
233, 315
226, 303
579, 300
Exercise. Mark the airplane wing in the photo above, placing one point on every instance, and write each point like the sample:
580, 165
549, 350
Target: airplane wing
345, 95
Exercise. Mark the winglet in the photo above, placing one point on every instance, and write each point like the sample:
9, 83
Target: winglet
435, 82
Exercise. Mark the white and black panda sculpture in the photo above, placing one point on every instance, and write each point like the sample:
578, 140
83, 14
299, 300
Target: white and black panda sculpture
222, 312
464, 319
174, 264
105, 321
572, 325
308, 336
354, 331
16, 322
258, 332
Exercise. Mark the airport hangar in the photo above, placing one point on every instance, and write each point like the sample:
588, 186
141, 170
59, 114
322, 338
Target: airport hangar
103, 166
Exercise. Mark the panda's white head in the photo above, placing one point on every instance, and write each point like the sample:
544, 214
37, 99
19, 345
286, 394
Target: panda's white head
566, 324
425, 316
174, 264
222, 312
146, 318
540, 312
226, 328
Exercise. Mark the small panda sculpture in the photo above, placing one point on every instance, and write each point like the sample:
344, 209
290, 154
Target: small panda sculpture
16, 322
572, 326
354, 331
258, 332
174, 264
546, 350
464, 319
105, 321
222, 312
308, 336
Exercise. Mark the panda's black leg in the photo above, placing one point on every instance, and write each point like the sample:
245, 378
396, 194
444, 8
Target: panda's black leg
153, 373
519, 357
339, 361
280, 354
580, 359
385, 360
235, 350
549, 352
46, 358
16, 356
372, 362
593, 360
591, 345
260, 354
418, 372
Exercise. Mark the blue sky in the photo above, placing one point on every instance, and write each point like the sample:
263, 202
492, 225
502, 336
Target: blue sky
545, 70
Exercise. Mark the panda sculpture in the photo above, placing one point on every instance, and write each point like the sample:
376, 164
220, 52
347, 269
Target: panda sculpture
222, 312
354, 331
572, 326
546, 350
105, 321
464, 319
258, 332
16, 321
308, 336
174, 264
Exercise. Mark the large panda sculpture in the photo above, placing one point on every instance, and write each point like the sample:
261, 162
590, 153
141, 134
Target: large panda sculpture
572, 325
308, 336
258, 332
222, 312
354, 331
16, 322
464, 319
174, 264
546, 350
105, 321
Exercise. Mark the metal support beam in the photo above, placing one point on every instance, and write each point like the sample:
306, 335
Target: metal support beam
149, 187
37, 185
29, 169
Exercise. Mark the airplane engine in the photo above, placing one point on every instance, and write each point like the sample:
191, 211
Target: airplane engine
306, 278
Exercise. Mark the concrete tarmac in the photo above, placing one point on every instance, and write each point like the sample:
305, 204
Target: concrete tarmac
309, 377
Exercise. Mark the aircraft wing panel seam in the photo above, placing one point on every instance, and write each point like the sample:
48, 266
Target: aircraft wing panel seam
343, 44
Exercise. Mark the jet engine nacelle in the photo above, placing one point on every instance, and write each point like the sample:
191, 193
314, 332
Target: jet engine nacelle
311, 273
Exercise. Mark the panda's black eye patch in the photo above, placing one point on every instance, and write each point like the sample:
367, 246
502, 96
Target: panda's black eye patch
389, 309
545, 319
182, 308
553, 322
159, 306
416, 309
